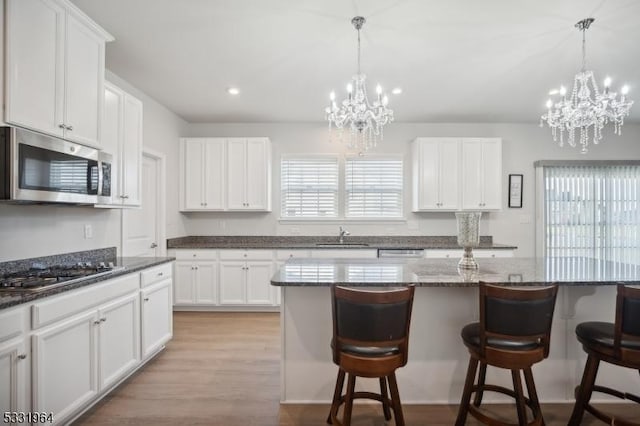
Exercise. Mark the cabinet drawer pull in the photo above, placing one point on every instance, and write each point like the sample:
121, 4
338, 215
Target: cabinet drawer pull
22, 356
160, 274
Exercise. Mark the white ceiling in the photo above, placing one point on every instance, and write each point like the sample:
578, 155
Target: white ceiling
456, 60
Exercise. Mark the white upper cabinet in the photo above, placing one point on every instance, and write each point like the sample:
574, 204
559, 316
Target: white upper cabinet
225, 174
122, 138
482, 174
249, 174
436, 174
203, 174
54, 63
457, 174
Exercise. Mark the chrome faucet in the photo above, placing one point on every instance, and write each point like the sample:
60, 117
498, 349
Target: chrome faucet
343, 232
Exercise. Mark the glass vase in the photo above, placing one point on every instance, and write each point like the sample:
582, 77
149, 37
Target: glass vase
468, 237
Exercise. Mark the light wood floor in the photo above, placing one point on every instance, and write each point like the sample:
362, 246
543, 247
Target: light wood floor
224, 369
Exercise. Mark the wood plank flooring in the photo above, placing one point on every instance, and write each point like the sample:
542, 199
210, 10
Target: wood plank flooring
224, 369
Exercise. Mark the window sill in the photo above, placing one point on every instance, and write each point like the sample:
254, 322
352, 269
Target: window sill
343, 220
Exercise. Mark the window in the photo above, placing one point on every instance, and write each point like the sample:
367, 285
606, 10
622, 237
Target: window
592, 212
373, 187
309, 187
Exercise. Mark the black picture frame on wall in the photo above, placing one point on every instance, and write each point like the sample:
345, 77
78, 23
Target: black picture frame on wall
515, 191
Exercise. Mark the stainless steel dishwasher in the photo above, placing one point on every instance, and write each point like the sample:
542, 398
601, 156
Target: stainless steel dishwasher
401, 253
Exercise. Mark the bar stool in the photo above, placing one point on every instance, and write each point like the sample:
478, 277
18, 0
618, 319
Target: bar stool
370, 339
616, 343
513, 333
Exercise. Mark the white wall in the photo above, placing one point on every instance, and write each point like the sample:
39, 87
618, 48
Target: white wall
41, 230
522, 145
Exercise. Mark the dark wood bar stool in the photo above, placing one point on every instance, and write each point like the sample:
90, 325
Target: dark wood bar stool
513, 333
370, 339
616, 343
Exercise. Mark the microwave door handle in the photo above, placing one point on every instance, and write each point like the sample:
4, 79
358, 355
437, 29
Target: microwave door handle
100, 177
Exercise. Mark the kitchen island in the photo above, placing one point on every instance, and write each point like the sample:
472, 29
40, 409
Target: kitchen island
445, 301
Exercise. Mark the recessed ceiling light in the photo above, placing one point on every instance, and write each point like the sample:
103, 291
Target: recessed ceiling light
397, 91
233, 90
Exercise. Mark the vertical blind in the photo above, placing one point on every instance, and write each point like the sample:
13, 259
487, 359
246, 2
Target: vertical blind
373, 187
309, 187
592, 212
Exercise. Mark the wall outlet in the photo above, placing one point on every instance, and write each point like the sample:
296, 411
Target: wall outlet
88, 231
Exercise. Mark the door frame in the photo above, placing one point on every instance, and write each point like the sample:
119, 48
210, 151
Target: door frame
161, 212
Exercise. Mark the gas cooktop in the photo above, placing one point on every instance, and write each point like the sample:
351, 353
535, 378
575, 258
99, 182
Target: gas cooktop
41, 277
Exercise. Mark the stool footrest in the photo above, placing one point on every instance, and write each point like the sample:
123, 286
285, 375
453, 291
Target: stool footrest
478, 414
605, 417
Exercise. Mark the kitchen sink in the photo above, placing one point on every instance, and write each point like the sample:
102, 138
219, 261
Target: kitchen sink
342, 245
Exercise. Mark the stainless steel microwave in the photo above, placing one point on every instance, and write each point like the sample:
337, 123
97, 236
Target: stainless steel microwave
36, 168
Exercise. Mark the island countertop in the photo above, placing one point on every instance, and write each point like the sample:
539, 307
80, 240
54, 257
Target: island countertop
298, 272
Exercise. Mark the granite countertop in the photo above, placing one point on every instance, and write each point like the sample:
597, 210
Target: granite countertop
312, 241
444, 272
129, 265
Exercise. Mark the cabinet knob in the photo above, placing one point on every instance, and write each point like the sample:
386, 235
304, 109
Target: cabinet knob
22, 356
194, 255
125, 196
62, 126
154, 245
103, 319
160, 274
69, 127
97, 322
146, 299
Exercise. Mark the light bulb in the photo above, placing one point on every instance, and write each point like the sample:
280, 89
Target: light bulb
563, 90
549, 104
385, 100
607, 81
397, 91
554, 92
379, 89
332, 96
233, 90
624, 90
349, 88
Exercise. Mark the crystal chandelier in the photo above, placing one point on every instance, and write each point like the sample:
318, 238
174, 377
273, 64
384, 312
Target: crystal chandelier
582, 110
364, 120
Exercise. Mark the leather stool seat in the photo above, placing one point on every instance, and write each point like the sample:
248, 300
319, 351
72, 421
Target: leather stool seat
596, 333
370, 351
614, 343
471, 337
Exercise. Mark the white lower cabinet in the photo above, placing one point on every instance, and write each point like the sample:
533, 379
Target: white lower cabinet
157, 319
14, 368
246, 283
119, 345
65, 366
245, 277
196, 283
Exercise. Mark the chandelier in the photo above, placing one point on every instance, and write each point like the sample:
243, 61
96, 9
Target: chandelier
363, 119
581, 110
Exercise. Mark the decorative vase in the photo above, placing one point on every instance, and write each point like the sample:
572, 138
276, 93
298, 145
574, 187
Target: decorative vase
468, 237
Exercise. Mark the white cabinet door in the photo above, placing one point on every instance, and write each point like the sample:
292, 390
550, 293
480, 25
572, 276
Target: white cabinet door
119, 339
65, 365
193, 170
122, 138
35, 65
214, 176
435, 174
84, 83
236, 174
482, 174
183, 286
206, 283
232, 283
492, 174
131, 151
258, 173
449, 161
14, 364
112, 134
258, 279
157, 322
